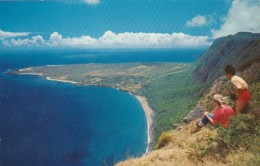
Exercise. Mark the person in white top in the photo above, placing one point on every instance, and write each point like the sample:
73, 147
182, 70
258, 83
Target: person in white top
243, 94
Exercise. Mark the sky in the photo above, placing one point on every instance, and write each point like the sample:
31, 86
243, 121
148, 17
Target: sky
123, 23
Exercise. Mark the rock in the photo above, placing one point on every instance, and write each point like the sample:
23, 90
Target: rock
194, 114
185, 120
175, 126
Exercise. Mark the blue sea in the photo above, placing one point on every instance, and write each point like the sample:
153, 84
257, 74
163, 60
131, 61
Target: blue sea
48, 123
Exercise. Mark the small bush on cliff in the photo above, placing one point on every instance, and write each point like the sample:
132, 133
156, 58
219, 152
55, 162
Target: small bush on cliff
163, 140
255, 95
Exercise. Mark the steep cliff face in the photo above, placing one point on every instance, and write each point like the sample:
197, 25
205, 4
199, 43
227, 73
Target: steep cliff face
240, 50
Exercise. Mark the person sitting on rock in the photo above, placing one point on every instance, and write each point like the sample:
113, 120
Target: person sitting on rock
242, 92
222, 113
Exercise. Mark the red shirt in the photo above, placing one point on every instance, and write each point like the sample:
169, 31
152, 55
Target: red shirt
222, 115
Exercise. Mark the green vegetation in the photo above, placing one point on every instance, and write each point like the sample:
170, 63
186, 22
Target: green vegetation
172, 96
255, 95
243, 132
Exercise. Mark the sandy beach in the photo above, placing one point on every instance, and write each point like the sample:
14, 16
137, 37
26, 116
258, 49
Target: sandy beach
66, 81
149, 116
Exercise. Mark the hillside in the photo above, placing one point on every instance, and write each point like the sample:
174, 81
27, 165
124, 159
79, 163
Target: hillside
237, 145
239, 50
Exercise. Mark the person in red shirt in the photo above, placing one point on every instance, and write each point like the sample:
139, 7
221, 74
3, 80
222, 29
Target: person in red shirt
222, 113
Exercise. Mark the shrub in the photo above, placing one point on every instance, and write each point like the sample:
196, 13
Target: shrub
163, 140
243, 132
203, 147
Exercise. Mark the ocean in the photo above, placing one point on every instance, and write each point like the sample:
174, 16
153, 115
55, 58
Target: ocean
52, 123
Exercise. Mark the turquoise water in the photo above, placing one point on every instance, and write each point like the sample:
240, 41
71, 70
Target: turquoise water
52, 123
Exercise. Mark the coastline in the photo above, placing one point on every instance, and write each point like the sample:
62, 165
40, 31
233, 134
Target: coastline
149, 113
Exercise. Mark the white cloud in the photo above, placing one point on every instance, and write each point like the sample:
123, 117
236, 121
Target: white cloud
137, 40
34, 41
197, 21
57, 40
113, 40
130, 40
243, 16
92, 2
4, 34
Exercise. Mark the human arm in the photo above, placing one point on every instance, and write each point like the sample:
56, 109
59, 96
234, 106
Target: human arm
211, 120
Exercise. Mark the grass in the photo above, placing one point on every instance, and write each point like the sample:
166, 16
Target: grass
204, 148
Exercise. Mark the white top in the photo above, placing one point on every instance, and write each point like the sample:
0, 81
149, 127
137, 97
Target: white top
239, 83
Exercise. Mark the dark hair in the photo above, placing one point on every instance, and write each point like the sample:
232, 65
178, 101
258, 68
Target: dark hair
230, 70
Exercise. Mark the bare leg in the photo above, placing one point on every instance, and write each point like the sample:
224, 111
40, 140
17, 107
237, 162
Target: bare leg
239, 106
